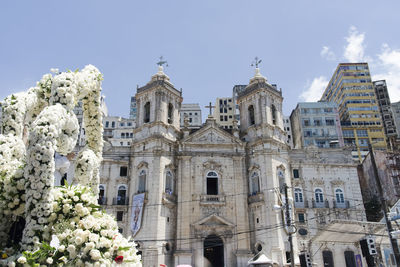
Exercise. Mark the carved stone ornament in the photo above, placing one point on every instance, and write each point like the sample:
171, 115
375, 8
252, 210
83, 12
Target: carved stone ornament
254, 167
212, 165
143, 164
337, 182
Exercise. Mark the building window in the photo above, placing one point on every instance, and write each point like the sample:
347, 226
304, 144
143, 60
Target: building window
255, 183
349, 258
296, 173
146, 117
319, 196
169, 183
120, 215
102, 193
212, 183
339, 195
123, 171
120, 230
273, 112
301, 217
107, 124
281, 178
142, 182
171, 113
121, 195
251, 115
113, 124
298, 195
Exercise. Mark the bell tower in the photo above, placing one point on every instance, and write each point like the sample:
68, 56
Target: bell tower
158, 102
260, 106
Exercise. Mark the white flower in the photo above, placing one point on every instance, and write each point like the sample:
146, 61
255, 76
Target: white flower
95, 254
49, 260
22, 259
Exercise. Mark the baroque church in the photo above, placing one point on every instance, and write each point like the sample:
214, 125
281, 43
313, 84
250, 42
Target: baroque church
214, 196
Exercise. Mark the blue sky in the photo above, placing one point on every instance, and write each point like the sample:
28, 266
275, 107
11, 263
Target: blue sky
209, 44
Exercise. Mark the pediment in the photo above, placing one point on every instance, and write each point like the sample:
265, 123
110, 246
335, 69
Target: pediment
214, 220
211, 134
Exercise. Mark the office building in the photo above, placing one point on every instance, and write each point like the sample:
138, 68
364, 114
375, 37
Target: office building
193, 113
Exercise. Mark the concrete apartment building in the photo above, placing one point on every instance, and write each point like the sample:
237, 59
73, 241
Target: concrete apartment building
316, 124
352, 90
224, 112
193, 114
385, 109
132, 109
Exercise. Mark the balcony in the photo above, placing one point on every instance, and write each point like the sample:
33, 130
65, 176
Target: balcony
341, 205
169, 199
102, 201
256, 197
120, 201
301, 205
320, 205
212, 200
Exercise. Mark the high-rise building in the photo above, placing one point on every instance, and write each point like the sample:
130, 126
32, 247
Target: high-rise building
288, 129
385, 108
224, 112
316, 123
193, 113
132, 110
352, 90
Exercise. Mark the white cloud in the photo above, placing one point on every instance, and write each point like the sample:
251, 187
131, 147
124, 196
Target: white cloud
327, 53
354, 50
388, 68
315, 89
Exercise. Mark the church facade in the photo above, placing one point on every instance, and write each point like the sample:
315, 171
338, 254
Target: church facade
214, 197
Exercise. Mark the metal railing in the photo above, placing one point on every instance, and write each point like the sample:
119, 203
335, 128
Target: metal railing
320, 205
102, 201
120, 201
301, 205
341, 205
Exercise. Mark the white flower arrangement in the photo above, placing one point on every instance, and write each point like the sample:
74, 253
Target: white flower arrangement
64, 226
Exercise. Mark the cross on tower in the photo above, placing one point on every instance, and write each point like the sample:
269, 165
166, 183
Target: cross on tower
210, 107
162, 62
256, 62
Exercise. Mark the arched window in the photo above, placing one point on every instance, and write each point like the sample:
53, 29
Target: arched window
121, 197
212, 183
319, 196
298, 195
142, 182
251, 115
281, 178
339, 195
349, 258
327, 257
102, 193
255, 183
146, 117
273, 112
170, 113
169, 185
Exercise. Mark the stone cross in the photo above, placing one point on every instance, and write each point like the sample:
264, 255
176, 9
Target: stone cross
211, 107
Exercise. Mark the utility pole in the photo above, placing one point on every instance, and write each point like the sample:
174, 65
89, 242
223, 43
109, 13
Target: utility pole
288, 224
389, 227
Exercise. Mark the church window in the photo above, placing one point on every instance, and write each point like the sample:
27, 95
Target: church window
123, 171
296, 173
301, 217
142, 182
169, 183
171, 113
146, 112
120, 215
255, 183
281, 178
107, 124
113, 124
349, 258
212, 183
319, 196
121, 195
273, 111
339, 195
251, 115
298, 195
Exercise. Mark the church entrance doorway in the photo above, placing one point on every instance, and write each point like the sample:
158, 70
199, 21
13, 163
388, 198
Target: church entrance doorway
214, 251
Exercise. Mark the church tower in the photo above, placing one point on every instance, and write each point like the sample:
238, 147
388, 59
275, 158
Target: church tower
153, 168
261, 126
